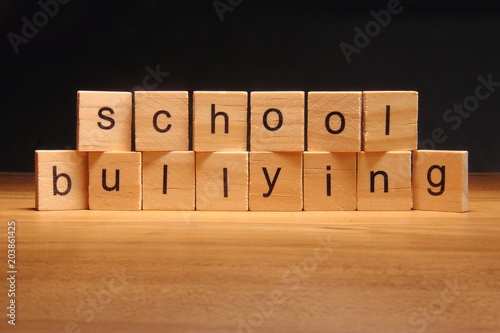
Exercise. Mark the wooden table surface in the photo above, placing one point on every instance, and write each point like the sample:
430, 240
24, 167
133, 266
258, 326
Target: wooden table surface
92, 271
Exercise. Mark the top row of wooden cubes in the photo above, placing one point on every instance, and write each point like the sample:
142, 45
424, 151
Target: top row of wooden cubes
271, 121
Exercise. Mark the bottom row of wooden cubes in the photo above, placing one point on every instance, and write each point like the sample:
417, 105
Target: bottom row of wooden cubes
255, 181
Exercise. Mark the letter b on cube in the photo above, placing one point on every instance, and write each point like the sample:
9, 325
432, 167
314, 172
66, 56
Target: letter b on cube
61, 180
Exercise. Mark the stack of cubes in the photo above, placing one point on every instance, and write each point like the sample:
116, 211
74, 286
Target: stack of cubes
263, 151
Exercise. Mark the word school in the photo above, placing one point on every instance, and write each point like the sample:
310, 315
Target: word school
262, 151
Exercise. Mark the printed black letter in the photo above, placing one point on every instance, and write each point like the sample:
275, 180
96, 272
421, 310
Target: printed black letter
372, 180
111, 120
55, 177
441, 182
269, 183
226, 120
117, 181
155, 121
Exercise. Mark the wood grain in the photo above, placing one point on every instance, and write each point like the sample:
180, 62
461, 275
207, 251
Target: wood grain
152, 271
390, 120
62, 180
384, 181
334, 121
104, 121
220, 121
277, 120
275, 182
329, 181
440, 181
168, 180
161, 120
115, 180
222, 181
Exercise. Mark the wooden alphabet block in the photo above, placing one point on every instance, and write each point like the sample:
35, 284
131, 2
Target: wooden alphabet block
115, 181
334, 121
390, 120
329, 181
440, 180
222, 181
168, 180
220, 120
277, 121
384, 181
275, 181
104, 121
161, 120
61, 179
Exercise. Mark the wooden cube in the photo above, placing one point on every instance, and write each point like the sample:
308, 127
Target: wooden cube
334, 121
275, 181
61, 178
220, 120
329, 181
161, 120
168, 180
384, 181
440, 180
277, 121
115, 181
390, 120
222, 181
104, 121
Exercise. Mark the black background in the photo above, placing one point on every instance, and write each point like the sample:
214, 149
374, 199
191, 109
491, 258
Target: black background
437, 48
